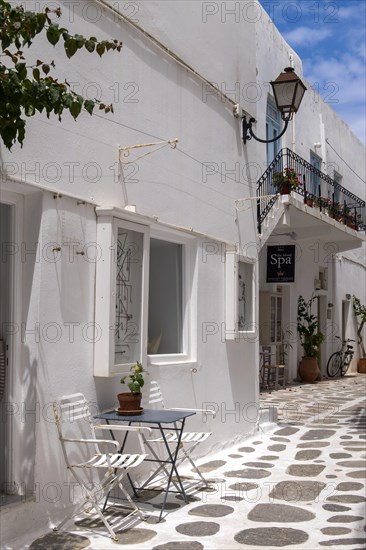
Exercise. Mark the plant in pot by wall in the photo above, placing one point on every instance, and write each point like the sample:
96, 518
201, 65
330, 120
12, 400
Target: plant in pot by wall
130, 402
287, 180
310, 339
360, 313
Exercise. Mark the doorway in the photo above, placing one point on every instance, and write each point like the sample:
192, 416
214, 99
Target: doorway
321, 310
346, 306
6, 270
11, 224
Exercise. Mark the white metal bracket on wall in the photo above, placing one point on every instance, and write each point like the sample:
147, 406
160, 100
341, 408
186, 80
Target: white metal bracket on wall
125, 151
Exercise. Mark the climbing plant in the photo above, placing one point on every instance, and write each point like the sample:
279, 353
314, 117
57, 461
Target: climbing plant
26, 89
360, 313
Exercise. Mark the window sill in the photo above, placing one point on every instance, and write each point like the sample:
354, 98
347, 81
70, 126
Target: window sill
171, 360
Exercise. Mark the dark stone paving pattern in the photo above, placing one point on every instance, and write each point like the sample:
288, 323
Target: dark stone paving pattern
301, 486
309, 454
344, 519
336, 508
249, 473
293, 491
279, 513
304, 470
212, 510
343, 542
66, 541
180, 545
271, 536
335, 530
198, 528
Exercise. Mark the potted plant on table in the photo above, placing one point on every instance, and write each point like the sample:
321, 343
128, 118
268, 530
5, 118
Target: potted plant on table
360, 313
130, 402
287, 180
310, 339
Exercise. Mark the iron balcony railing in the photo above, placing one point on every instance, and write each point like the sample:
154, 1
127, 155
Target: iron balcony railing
316, 188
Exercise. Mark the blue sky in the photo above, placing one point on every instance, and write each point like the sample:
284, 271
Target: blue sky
329, 36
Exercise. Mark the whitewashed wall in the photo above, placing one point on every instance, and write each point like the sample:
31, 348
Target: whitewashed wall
154, 98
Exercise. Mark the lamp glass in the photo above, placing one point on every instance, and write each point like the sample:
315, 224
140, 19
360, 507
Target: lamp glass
288, 91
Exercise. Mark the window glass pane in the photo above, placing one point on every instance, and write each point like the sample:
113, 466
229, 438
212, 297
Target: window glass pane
165, 298
273, 128
128, 296
314, 178
245, 306
338, 178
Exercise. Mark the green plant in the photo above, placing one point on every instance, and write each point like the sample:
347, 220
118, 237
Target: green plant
336, 210
136, 378
326, 204
285, 345
308, 328
360, 312
288, 177
28, 87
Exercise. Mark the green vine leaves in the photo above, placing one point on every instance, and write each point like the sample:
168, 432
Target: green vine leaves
27, 89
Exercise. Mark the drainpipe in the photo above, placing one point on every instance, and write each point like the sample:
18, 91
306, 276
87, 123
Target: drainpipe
322, 144
293, 143
293, 129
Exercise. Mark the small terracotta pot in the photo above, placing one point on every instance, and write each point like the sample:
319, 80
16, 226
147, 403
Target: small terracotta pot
285, 188
309, 369
361, 365
129, 401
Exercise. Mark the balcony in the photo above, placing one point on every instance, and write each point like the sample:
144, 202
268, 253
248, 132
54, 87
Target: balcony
312, 187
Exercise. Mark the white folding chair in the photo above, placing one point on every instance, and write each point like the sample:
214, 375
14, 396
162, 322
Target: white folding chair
86, 455
189, 440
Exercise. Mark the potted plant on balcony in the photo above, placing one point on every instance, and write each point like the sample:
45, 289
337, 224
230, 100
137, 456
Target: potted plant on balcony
336, 211
360, 314
287, 180
310, 339
130, 402
351, 220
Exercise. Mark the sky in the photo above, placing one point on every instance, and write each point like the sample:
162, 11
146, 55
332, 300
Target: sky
329, 36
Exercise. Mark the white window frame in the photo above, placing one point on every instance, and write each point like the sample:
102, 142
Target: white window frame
232, 261
189, 299
105, 295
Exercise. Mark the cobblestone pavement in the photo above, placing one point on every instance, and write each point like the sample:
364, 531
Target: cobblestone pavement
302, 485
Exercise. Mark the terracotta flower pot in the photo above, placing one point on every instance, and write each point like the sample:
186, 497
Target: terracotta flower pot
309, 369
361, 365
129, 401
285, 188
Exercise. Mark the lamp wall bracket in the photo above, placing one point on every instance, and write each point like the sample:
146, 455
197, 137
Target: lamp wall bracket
247, 132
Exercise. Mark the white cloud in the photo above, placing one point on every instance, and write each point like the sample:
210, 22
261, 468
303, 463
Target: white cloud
341, 79
353, 11
341, 83
307, 36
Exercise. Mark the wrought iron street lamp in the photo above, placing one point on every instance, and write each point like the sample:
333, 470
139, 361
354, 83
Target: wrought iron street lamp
288, 90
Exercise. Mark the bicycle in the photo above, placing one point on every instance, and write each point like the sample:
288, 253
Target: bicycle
339, 361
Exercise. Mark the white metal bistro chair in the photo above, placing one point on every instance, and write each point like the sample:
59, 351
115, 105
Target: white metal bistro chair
189, 440
95, 463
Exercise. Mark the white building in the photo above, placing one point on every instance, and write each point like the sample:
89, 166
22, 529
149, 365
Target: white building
70, 194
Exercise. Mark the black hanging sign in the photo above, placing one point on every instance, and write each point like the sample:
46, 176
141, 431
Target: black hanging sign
281, 264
